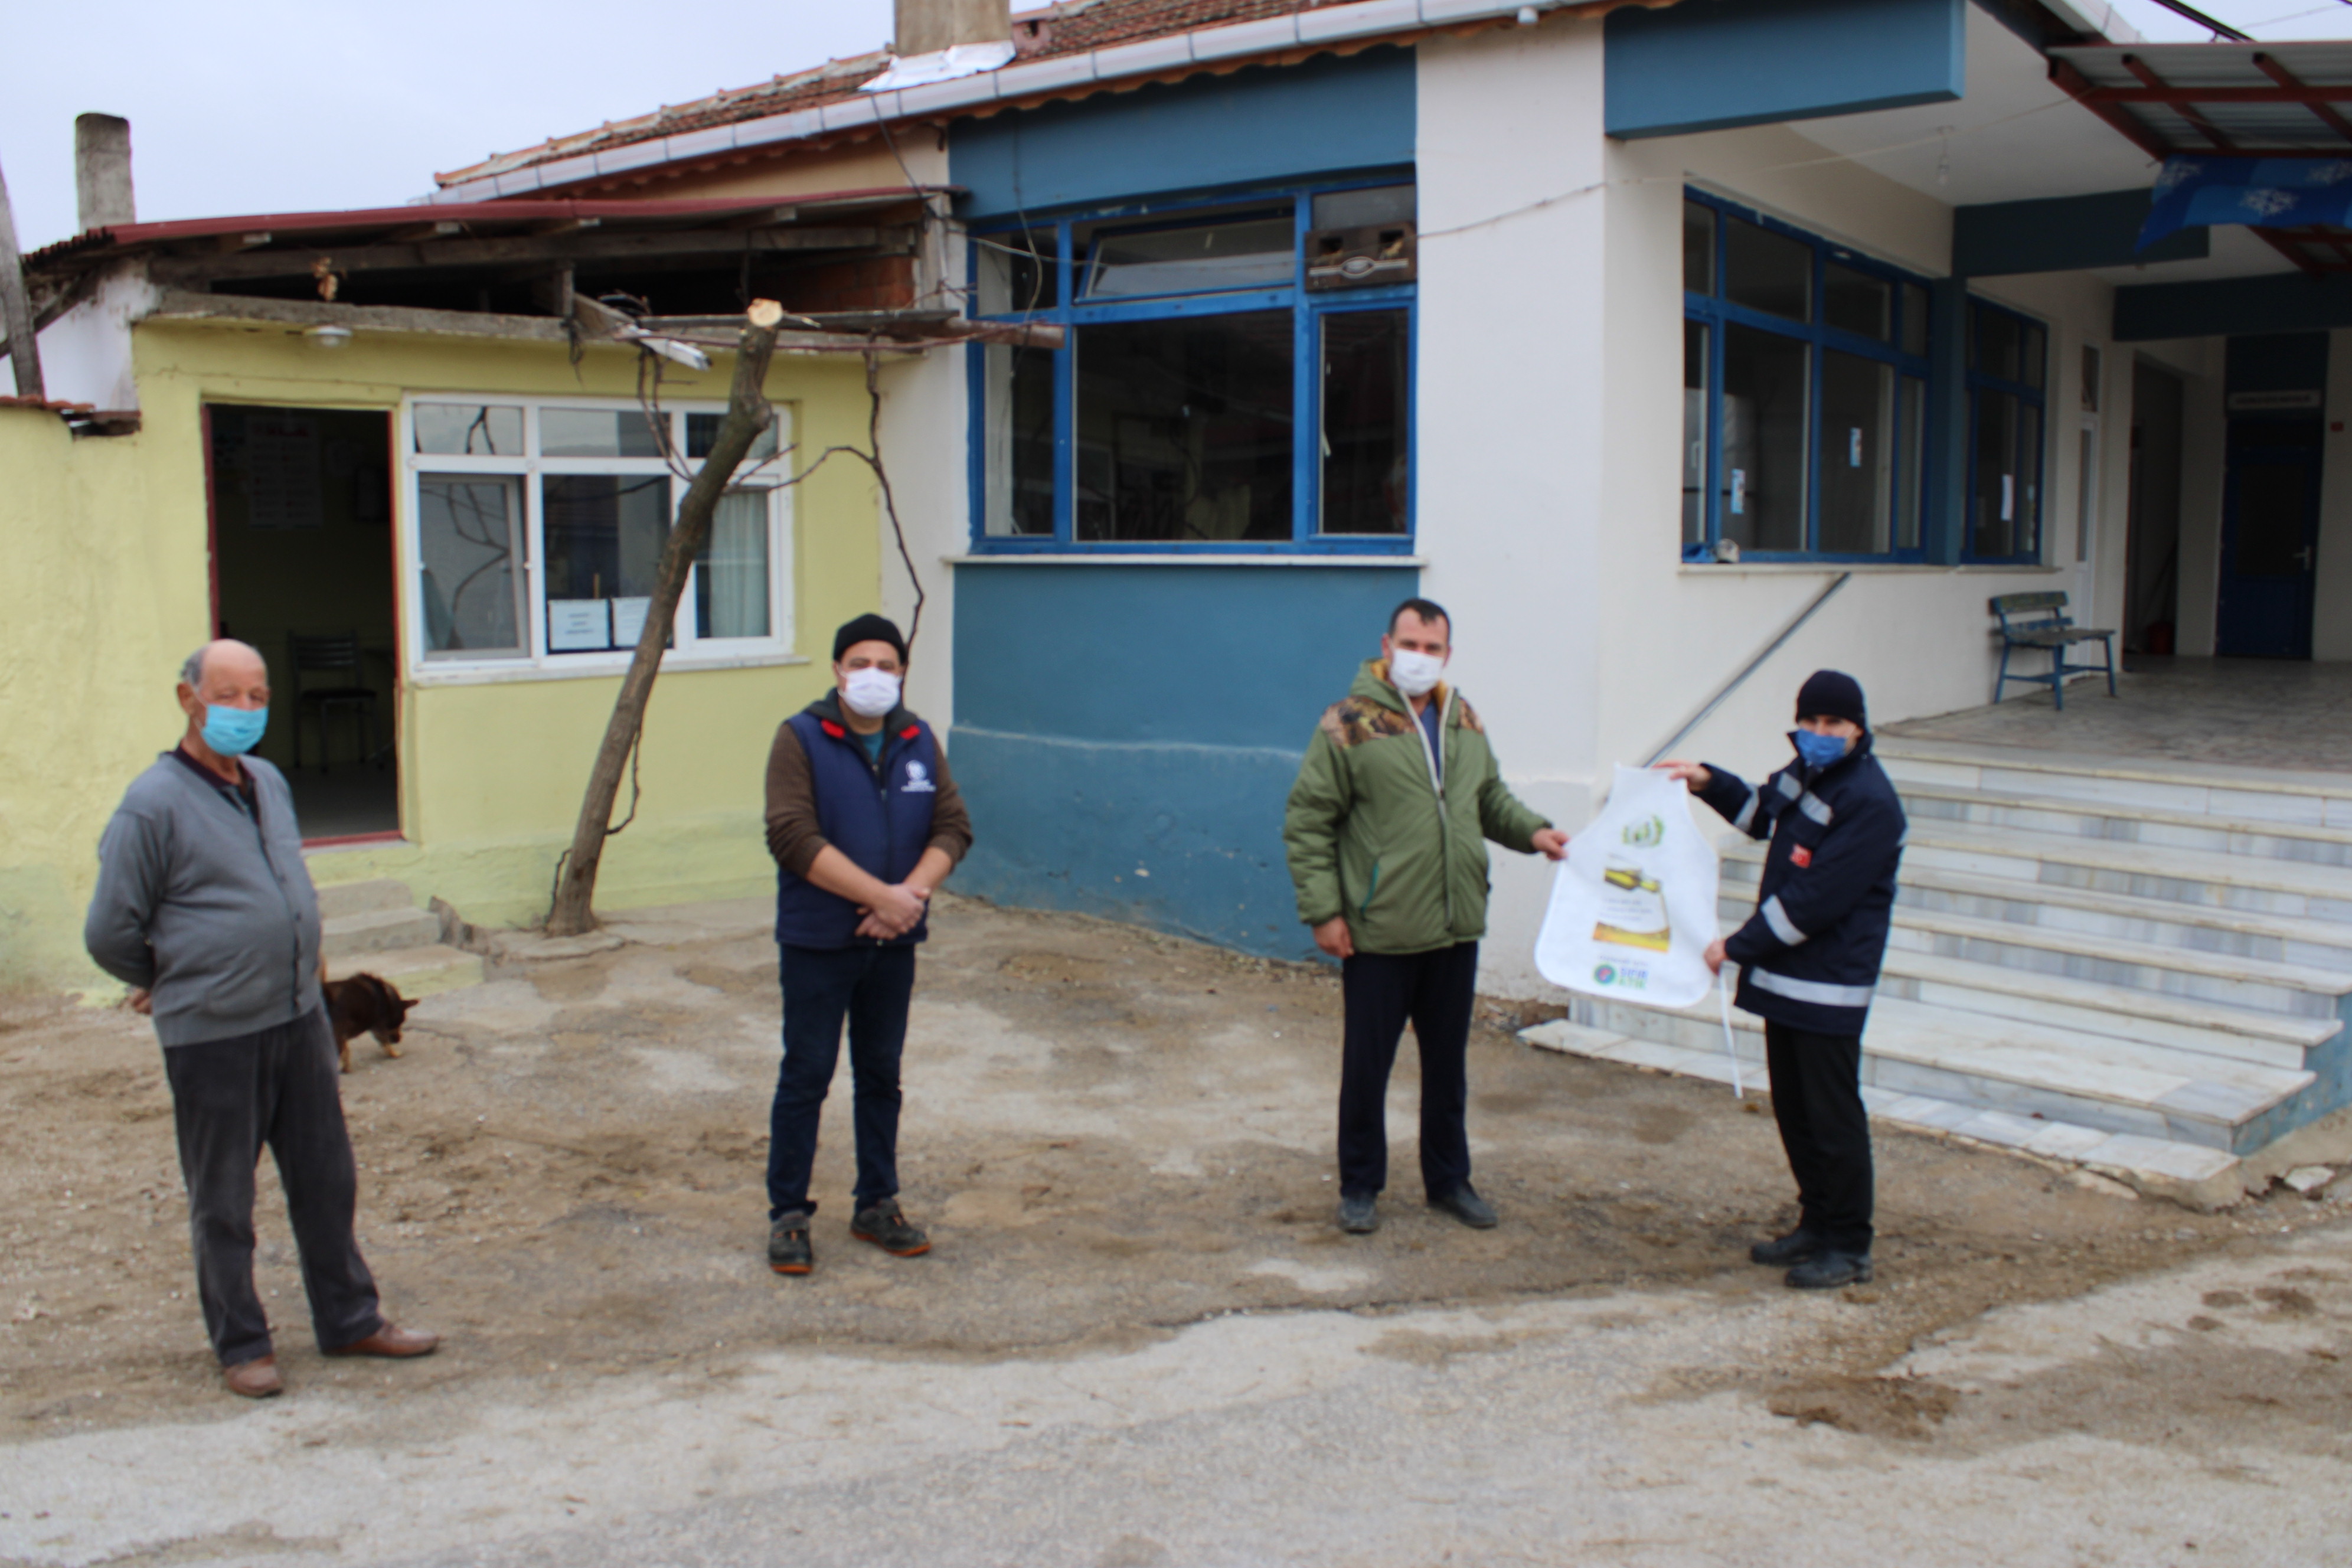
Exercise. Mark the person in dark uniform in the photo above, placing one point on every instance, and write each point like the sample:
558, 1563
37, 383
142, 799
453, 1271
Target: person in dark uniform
865, 822
1808, 961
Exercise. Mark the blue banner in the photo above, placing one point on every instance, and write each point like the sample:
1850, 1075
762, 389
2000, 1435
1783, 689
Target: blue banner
2265, 193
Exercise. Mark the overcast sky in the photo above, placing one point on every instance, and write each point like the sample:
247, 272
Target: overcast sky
258, 106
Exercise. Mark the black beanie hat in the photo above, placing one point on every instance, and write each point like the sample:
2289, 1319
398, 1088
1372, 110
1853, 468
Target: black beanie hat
1831, 694
869, 628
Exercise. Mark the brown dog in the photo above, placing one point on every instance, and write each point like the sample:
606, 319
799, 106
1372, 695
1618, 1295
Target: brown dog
364, 1004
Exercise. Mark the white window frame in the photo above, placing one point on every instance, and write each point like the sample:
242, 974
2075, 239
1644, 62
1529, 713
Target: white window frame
688, 650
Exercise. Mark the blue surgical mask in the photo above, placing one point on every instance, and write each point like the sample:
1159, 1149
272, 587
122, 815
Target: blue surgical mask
1819, 750
233, 731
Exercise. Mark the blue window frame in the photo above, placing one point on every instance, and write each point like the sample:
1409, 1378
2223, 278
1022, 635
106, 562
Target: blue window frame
2007, 426
1196, 352
1805, 379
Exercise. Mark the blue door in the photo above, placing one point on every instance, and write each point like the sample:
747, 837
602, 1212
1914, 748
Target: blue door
2270, 539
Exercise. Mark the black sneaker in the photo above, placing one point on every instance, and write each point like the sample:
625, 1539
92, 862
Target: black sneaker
1796, 1246
887, 1228
788, 1244
1360, 1214
1465, 1204
1831, 1270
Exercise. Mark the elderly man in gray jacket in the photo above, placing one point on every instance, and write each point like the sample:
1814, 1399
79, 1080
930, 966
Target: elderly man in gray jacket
203, 906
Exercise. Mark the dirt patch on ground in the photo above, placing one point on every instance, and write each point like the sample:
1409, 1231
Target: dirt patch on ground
1873, 1407
1109, 1133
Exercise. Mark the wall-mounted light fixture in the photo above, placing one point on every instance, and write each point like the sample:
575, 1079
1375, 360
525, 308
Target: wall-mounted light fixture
330, 337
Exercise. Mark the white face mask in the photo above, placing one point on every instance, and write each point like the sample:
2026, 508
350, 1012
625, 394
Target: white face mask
870, 693
1414, 674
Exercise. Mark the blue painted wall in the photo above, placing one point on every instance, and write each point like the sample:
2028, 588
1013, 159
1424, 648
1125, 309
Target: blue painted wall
2064, 234
1705, 65
1323, 116
2281, 361
1125, 735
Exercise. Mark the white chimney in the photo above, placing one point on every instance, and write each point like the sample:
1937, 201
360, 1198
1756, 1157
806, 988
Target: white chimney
930, 27
102, 171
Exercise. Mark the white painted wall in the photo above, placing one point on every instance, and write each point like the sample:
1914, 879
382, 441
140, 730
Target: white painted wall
1512, 402
2331, 635
86, 353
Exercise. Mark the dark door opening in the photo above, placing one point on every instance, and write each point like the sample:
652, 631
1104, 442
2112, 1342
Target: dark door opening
2270, 539
302, 569
2152, 539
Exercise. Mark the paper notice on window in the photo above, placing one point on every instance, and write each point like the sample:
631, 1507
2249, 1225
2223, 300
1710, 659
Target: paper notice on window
281, 473
629, 621
2008, 498
577, 625
1738, 491
1854, 447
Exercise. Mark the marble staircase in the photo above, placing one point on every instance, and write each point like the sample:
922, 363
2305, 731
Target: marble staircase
2144, 967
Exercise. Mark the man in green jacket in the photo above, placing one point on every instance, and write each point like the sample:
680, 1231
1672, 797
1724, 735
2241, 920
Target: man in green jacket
1386, 831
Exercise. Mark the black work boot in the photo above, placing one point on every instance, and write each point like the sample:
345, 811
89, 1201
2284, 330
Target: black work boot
788, 1244
1830, 1269
887, 1228
1465, 1204
1780, 1252
1360, 1214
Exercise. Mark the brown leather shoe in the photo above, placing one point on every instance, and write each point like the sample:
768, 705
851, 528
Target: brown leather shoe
255, 1379
388, 1341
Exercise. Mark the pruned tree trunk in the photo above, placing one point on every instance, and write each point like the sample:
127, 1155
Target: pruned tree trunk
748, 415
17, 329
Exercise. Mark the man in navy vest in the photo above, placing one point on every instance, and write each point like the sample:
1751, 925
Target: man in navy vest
865, 822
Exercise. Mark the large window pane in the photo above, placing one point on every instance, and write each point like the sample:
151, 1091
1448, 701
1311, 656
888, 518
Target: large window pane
1856, 302
468, 429
1248, 253
1019, 424
1367, 404
2032, 354
1018, 272
1367, 209
1915, 319
596, 433
470, 535
1184, 429
1993, 349
2029, 478
1993, 518
1767, 271
731, 580
604, 535
1857, 454
1698, 247
1762, 477
702, 432
1911, 419
1695, 369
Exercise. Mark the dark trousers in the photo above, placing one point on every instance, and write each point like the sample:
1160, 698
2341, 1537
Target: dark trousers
1382, 992
870, 986
1817, 1099
278, 1087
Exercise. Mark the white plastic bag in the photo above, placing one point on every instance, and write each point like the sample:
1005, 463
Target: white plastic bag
1633, 909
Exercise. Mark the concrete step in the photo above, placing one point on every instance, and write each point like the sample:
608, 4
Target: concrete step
2170, 972
414, 972
2024, 1069
339, 898
2268, 795
2158, 1163
2102, 819
380, 931
2278, 938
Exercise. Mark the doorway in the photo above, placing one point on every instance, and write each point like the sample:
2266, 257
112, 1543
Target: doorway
2152, 531
302, 569
2270, 539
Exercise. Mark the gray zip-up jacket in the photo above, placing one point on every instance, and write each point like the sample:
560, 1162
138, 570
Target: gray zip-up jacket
207, 906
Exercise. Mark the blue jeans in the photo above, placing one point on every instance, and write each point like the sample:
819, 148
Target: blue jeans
870, 986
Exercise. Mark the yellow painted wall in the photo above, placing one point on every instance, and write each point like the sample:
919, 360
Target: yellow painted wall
113, 591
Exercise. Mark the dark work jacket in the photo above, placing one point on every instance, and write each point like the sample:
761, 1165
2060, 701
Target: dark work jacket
879, 815
1809, 957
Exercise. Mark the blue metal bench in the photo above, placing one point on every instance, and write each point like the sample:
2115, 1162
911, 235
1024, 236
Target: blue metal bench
2039, 621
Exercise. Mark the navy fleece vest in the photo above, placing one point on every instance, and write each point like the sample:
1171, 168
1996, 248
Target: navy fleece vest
878, 814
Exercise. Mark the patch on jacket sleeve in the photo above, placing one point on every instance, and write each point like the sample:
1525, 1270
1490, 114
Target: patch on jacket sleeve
1356, 721
1469, 715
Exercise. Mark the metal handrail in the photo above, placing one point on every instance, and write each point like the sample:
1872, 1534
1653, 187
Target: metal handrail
1767, 651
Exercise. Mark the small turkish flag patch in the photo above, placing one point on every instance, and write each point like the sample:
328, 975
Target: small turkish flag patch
1800, 857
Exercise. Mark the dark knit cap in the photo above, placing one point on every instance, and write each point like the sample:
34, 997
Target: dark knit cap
869, 628
1831, 694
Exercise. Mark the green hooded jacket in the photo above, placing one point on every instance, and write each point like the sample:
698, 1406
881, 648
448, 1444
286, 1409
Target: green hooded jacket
1371, 836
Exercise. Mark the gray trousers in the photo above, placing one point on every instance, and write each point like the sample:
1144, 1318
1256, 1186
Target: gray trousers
279, 1089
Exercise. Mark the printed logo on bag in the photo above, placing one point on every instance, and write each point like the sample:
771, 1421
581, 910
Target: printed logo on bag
1648, 831
1800, 857
918, 779
1624, 977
